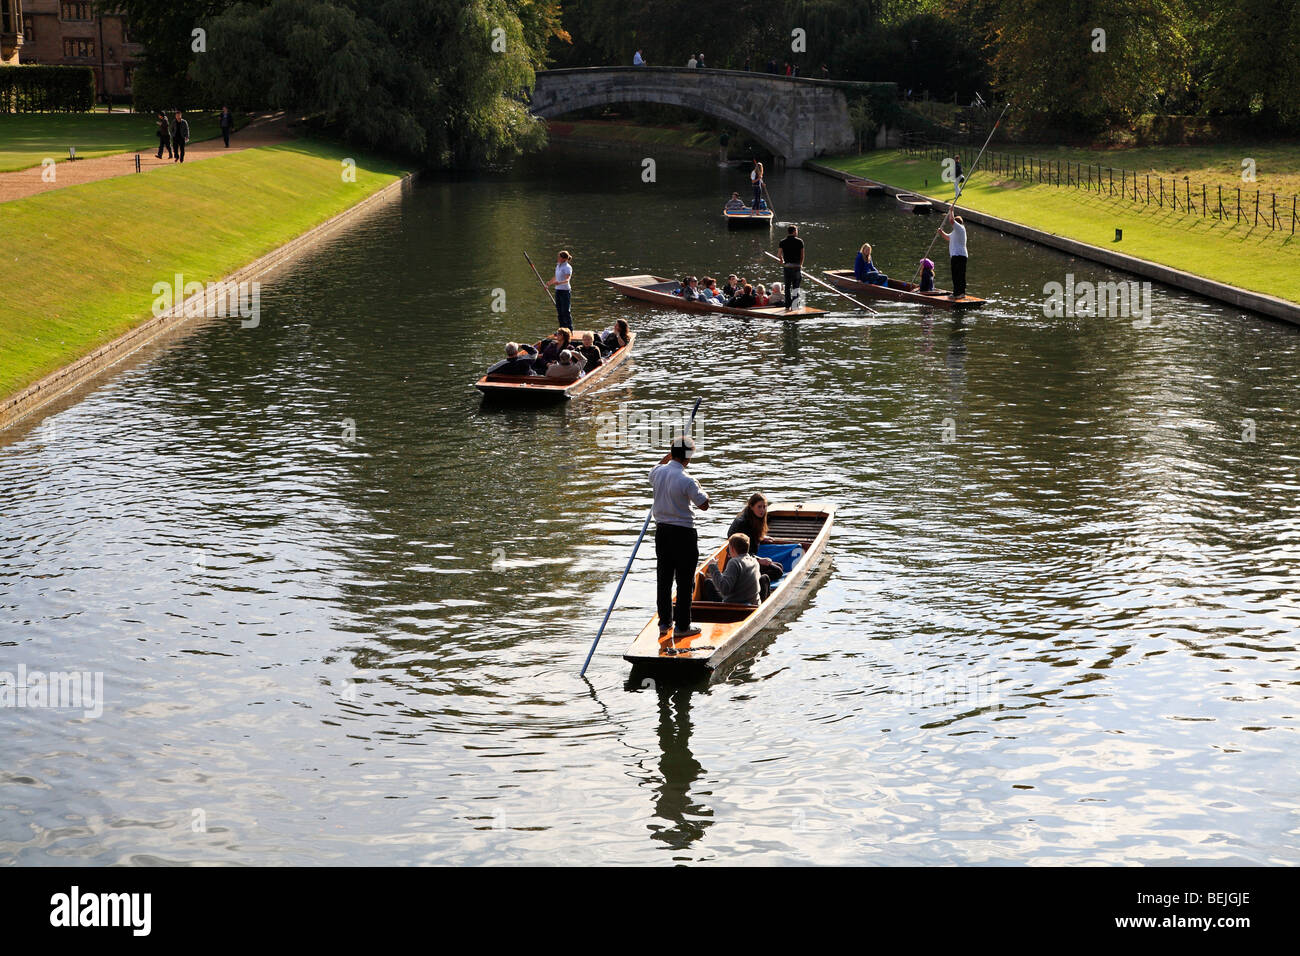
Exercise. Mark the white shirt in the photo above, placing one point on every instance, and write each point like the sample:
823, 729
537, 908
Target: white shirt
675, 490
636, 59
690, 64
562, 272
957, 244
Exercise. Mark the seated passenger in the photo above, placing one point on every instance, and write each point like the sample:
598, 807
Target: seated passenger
692, 293
619, 337
864, 270
738, 582
760, 294
752, 522
590, 352
713, 292
746, 299
777, 296
729, 290
551, 349
735, 203
517, 364
567, 369
927, 276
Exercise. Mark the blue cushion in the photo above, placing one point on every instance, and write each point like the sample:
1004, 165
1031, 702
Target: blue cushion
786, 555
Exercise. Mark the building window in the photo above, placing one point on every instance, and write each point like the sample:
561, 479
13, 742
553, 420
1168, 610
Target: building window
126, 31
75, 48
128, 71
29, 33
74, 10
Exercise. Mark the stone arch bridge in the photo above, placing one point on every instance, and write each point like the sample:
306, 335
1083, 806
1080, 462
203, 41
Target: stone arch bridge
794, 117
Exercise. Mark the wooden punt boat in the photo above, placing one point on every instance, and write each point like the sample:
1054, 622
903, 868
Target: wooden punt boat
748, 218
538, 388
659, 290
911, 202
864, 187
726, 628
900, 291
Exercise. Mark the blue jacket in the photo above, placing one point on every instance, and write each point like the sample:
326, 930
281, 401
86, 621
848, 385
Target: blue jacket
866, 271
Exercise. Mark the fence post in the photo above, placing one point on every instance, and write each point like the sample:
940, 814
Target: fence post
1238, 204
1257, 207
1204, 211
1162, 192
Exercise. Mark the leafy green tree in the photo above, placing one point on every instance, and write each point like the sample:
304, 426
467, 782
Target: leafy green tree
442, 80
1059, 72
1249, 53
166, 28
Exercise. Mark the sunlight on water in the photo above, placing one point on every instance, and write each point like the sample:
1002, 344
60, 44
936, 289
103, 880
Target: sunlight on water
1067, 634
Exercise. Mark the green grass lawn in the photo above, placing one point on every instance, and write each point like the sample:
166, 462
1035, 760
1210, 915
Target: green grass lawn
1277, 165
1242, 255
28, 138
78, 265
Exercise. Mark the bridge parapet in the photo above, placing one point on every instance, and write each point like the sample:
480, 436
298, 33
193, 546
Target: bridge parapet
797, 118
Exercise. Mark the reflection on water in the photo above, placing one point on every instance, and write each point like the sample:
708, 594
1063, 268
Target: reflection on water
339, 603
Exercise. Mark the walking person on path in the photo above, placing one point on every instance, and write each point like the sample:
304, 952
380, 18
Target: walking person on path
227, 121
677, 550
164, 136
180, 136
792, 254
563, 291
956, 253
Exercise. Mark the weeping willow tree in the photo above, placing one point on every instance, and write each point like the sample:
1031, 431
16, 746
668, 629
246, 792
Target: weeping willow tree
441, 80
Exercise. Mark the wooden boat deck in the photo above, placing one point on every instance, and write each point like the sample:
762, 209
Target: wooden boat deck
899, 291
726, 628
538, 388
865, 187
656, 289
911, 202
748, 217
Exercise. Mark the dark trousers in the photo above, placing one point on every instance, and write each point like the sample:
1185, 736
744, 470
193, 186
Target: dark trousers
164, 144
563, 300
179, 149
758, 194
225, 134
677, 552
958, 275
793, 276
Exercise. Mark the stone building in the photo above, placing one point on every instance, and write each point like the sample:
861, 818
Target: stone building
11, 31
70, 33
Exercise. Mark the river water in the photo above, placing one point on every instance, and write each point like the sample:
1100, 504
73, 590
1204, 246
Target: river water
339, 605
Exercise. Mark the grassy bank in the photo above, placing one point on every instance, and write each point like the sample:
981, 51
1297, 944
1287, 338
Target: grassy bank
1239, 254
28, 138
79, 264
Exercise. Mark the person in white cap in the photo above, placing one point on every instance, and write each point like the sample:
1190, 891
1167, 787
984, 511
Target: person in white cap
677, 549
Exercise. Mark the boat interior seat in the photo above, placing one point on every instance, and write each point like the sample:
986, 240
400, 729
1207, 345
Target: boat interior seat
719, 612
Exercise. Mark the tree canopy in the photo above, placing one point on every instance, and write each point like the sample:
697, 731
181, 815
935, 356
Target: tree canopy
446, 80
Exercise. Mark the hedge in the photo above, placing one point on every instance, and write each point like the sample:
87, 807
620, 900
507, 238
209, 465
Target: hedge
41, 89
